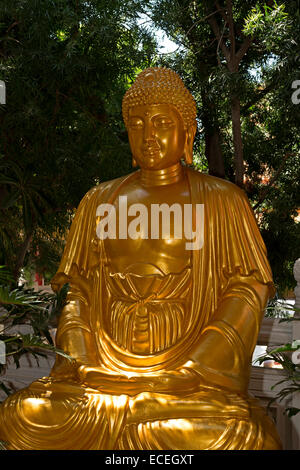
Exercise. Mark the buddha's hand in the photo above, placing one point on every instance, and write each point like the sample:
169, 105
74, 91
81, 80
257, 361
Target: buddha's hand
102, 379
108, 381
174, 381
65, 369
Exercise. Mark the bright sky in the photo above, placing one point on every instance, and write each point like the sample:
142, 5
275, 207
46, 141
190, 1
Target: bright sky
166, 45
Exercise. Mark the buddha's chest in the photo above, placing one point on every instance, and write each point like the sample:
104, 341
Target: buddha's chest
149, 229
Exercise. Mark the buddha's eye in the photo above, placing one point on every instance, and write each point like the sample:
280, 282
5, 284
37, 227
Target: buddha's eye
163, 122
136, 123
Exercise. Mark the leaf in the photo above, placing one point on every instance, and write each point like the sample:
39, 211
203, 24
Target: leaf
285, 348
5, 275
278, 383
292, 411
31, 341
10, 199
17, 297
2, 445
5, 389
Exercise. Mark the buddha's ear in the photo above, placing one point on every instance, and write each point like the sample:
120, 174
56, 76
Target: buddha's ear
134, 163
189, 143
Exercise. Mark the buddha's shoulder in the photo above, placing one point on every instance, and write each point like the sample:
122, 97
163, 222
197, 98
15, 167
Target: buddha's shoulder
100, 191
216, 185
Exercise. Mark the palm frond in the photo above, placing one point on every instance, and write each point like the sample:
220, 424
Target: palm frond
17, 297
5, 275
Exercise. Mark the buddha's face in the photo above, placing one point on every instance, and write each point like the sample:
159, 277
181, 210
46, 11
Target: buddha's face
156, 134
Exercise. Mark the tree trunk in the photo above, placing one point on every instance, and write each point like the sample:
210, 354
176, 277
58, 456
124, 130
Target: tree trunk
22, 253
237, 141
213, 151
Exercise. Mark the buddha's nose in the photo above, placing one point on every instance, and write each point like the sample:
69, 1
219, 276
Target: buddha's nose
148, 132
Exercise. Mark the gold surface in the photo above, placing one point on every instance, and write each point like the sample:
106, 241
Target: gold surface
162, 337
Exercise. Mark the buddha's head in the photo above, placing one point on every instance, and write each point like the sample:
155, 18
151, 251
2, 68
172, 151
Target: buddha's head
160, 116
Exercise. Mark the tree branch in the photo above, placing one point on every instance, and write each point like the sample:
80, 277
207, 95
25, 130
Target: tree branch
15, 23
231, 28
243, 49
203, 19
219, 42
214, 25
222, 11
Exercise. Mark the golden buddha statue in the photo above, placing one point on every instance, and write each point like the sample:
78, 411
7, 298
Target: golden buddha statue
161, 331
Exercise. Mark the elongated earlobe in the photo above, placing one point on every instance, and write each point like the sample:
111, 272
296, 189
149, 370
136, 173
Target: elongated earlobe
134, 163
188, 157
188, 150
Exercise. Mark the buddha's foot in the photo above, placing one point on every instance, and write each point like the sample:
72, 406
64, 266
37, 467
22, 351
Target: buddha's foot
58, 415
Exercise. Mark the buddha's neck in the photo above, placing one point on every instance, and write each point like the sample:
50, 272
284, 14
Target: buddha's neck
169, 175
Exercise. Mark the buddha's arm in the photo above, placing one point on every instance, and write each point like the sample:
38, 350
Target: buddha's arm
74, 335
222, 356
225, 349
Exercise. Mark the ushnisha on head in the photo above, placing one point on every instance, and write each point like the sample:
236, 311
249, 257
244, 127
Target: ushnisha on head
160, 85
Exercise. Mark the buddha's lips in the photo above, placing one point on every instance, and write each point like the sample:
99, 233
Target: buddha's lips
150, 150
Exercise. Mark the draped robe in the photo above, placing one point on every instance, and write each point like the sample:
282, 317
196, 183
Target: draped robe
59, 412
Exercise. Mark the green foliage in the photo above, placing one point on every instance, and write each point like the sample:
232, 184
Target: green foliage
263, 84
66, 66
278, 308
291, 370
16, 297
5, 275
263, 20
38, 312
284, 354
